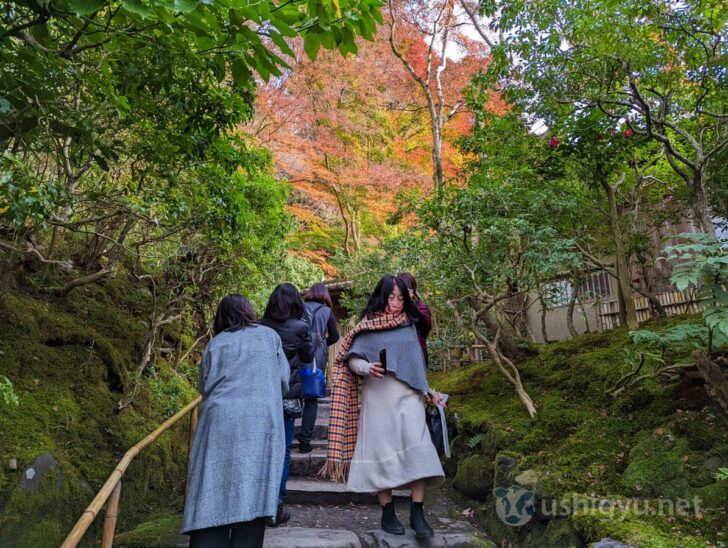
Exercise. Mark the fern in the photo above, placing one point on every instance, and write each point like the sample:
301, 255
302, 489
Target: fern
476, 440
721, 474
703, 264
8, 394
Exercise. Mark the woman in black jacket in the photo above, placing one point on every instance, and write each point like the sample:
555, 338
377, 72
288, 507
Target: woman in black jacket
284, 315
324, 332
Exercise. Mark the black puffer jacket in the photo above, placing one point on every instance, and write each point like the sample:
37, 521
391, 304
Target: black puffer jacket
297, 347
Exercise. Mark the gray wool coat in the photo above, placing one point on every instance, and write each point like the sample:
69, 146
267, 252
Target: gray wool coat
236, 459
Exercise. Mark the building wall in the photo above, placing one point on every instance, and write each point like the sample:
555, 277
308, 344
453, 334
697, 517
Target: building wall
556, 328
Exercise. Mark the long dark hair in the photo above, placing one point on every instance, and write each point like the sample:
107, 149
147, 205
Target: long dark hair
285, 302
410, 282
378, 299
319, 293
233, 313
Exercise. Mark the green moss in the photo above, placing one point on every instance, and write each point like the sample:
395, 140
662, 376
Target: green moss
662, 464
157, 532
644, 443
40, 518
561, 533
627, 528
474, 477
70, 361
45, 533
714, 495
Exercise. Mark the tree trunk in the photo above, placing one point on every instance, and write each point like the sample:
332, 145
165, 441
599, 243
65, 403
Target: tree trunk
586, 318
438, 174
622, 312
716, 381
620, 261
570, 314
512, 375
84, 280
655, 304
544, 331
700, 203
505, 365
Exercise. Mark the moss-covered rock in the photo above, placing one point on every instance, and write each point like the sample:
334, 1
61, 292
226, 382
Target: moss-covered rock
474, 477
638, 531
159, 531
71, 361
562, 533
649, 442
714, 495
662, 465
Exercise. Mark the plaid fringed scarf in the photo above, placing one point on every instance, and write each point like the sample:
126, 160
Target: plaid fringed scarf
344, 420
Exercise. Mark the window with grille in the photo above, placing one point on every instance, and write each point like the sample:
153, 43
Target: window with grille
595, 286
557, 293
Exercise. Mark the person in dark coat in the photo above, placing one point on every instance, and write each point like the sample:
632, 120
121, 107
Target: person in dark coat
284, 314
324, 332
424, 325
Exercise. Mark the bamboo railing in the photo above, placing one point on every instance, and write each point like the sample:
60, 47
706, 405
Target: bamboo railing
111, 490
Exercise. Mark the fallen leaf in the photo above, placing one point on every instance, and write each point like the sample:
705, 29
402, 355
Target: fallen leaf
685, 458
659, 431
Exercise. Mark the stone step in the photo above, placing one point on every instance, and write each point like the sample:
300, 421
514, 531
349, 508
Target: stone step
306, 537
444, 538
313, 490
316, 444
307, 464
299, 537
320, 429
324, 412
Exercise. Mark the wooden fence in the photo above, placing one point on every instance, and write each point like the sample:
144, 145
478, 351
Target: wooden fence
674, 302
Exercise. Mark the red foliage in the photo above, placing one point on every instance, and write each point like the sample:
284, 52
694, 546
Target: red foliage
351, 132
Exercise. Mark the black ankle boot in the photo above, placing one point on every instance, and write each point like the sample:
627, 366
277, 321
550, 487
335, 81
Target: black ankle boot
390, 523
282, 516
418, 523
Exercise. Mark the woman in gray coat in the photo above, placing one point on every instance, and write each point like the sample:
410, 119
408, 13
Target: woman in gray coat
236, 459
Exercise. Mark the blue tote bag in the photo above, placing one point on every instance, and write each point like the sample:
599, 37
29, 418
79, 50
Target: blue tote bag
314, 383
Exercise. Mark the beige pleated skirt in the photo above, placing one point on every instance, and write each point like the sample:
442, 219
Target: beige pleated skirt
393, 444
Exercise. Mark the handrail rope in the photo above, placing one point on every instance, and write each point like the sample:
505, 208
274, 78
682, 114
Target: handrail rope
88, 515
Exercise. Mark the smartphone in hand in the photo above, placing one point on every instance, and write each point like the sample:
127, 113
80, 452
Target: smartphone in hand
383, 358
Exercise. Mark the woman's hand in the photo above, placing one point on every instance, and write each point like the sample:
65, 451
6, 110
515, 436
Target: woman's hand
376, 370
437, 399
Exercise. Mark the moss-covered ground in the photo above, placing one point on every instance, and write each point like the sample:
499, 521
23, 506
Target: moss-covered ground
656, 441
70, 361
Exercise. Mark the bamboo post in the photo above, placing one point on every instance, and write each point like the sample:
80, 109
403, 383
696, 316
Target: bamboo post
194, 417
88, 516
112, 509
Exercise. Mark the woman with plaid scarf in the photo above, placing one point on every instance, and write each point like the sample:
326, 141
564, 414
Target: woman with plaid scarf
386, 445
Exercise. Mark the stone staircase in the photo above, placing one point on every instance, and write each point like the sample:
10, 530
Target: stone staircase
324, 515
304, 485
309, 497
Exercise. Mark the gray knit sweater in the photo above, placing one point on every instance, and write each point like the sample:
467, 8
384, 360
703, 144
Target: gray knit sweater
404, 354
